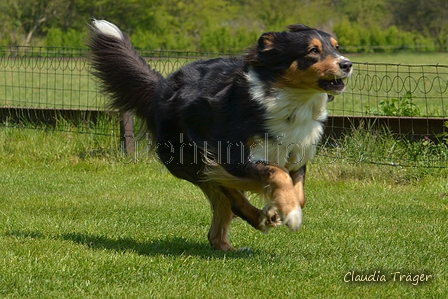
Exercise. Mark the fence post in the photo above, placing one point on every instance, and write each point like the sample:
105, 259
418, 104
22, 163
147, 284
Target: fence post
127, 133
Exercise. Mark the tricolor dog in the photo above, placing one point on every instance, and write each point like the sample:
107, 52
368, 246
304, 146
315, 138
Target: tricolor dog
231, 125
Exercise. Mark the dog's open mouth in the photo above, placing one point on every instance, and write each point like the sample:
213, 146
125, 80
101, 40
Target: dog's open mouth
335, 85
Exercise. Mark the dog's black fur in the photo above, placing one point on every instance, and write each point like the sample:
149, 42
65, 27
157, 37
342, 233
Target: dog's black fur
207, 118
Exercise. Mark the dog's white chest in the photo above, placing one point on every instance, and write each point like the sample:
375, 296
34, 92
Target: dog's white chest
294, 129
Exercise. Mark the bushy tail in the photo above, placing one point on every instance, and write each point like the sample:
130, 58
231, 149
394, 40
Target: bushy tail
123, 74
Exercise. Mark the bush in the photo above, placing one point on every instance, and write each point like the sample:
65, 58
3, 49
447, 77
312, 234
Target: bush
378, 40
226, 39
54, 37
349, 36
403, 106
71, 38
145, 40
209, 39
356, 38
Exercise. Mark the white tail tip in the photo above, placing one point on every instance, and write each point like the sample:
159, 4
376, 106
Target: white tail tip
107, 28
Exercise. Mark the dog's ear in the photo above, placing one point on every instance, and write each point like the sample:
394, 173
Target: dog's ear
266, 42
265, 52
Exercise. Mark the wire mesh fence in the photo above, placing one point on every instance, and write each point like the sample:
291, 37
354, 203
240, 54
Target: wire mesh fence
49, 84
381, 89
59, 78
55, 78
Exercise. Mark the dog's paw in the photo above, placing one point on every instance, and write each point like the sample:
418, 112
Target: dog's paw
269, 218
294, 219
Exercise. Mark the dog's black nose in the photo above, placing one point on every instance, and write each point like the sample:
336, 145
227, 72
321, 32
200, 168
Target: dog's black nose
345, 65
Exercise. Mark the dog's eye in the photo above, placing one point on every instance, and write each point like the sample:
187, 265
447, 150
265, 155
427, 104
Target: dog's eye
314, 50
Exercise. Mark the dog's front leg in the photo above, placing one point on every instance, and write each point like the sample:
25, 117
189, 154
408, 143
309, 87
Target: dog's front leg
284, 198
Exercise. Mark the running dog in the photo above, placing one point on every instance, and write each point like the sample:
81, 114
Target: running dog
231, 125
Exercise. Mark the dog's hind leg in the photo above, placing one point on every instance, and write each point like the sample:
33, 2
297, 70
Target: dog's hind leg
261, 220
218, 234
227, 203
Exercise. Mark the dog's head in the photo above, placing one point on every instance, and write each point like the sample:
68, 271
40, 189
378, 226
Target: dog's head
303, 58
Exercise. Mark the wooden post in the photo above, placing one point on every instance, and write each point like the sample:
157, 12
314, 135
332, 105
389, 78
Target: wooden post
127, 133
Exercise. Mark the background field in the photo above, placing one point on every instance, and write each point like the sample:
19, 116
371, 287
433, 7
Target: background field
77, 220
401, 58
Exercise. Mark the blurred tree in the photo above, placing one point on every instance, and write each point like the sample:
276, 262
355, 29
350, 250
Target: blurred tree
221, 25
426, 16
275, 15
366, 12
27, 17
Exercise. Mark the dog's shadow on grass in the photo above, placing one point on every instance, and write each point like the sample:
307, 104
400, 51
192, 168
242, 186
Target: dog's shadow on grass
168, 246
174, 246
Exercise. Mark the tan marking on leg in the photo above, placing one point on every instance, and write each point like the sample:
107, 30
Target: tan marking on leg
222, 216
261, 220
281, 190
298, 179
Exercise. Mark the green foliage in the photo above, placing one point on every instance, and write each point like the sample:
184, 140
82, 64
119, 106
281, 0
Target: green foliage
149, 40
444, 136
208, 26
54, 37
426, 150
352, 36
70, 38
224, 39
403, 106
215, 39
210, 39
427, 17
228, 25
356, 38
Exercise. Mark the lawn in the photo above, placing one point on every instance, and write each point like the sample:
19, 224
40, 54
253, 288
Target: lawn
77, 220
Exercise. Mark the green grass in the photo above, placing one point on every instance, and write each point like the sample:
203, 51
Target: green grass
77, 222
